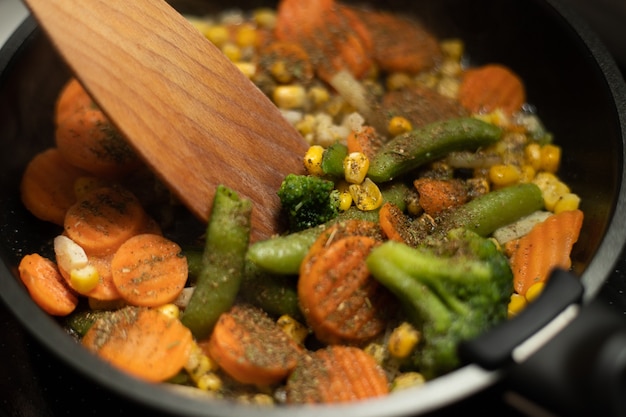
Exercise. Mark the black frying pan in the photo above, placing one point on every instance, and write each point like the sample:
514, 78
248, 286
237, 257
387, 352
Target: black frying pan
572, 82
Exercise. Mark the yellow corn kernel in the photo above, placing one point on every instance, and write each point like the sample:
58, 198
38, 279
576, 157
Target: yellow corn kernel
398, 81
503, 175
449, 87
217, 34
280, 71
567, 202
376, 351
170, 310
209, 382
532, 153
407, 380
355, 166
84, 279
517, 303
264, 17
451, 68
232, 52
534, 290
318, 96
289, 96
399, 125
452, 48
527, 174
247, 68
550, 158
496, 117
293, 328
306, 125
345, 201
366, 196
246, 36
403, 340
552, 189
313, 160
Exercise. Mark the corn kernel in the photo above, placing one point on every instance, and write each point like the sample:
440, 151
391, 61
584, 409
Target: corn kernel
552, 189
403, 340
517, 303
398, 81
318, 96
280, 72
366, 196
533, 291
527, 174
452, 48
209, 382
217, 34
345, 201
313, 160
232, 52
69, 255
246, 36
355, 166
451, 68
399, 125
289, 96
265, 17
407, 380
532, 153
550, 158
170, 310
293, 328
449, 87
567, 202
502, 175
376, 351
247, 68
84, 279
306, 126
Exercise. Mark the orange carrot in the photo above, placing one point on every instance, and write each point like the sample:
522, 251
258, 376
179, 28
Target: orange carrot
393, 222
364, 140
399, 44
436, 195
339, 298
71, 99
88, 140
47, 186
143, 342
250, 347
105, 289
46, 285
491, 87
149, 270
547, 246
336, 374
104, 219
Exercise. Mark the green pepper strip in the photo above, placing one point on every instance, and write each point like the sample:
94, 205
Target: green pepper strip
411, 150
227, 239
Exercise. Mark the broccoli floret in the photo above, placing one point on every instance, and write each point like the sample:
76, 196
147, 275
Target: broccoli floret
308, 201
452, 290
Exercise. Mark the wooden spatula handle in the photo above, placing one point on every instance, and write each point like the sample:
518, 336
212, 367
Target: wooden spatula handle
190, 113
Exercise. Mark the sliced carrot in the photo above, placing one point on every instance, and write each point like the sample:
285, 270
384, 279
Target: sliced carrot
399, 44
71, 99
105, 289
47, 186
339, 298
46, 286
492, 87
88, 140
104, 219
334, 39
436, 196
336, 374
250, 347
365, 140
149, 270
547, 246
143, 342
394, 223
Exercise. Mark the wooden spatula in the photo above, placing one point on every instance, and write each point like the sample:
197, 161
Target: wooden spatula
190, 113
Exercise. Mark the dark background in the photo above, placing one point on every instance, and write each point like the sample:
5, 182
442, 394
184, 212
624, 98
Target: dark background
33, 383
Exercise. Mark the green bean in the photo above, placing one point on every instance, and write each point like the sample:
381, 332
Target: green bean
227, 239
493, 210
332, 159
413, 149
275, 294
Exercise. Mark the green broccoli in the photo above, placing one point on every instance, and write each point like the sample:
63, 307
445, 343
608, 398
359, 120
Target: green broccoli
452, 290
308, 201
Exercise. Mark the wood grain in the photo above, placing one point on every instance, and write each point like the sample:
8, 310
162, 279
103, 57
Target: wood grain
189, 112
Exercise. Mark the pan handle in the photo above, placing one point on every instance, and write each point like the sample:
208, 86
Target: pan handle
579, 366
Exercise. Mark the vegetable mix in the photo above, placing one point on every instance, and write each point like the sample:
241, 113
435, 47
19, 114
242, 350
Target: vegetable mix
431, 210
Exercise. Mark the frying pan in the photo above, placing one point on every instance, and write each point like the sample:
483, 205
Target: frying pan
577, 91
